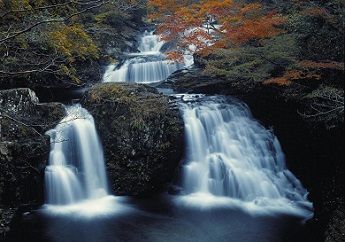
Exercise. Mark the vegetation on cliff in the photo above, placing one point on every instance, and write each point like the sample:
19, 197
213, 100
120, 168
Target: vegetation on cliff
288, 44
49, 43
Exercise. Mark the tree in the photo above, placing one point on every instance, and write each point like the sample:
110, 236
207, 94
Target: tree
44, 39
206, 25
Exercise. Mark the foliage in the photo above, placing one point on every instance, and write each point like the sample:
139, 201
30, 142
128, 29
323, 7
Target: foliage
212, 24
46, 41
73, 41
254, 63
299, 44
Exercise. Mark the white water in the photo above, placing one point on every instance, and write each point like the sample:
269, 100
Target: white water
76, 170
148, 66
230, 155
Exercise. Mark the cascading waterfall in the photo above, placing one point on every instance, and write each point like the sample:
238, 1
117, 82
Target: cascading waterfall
229, 154
147, 66
76, 168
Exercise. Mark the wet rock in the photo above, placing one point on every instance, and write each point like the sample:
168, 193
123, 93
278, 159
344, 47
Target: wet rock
336, 227
24, 148
6, 216
142, 135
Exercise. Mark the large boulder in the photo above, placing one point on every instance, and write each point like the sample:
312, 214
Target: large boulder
24, 149
142, 134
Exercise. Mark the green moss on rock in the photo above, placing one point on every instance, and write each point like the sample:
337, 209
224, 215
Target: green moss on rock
142, 135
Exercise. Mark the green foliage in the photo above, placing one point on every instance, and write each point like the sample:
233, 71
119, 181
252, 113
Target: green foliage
111, 16
320, 37
57, 45
72, 41
255, 63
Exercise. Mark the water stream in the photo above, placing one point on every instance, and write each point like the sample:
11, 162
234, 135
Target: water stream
230, 155
76, 169
149, 65
233, 165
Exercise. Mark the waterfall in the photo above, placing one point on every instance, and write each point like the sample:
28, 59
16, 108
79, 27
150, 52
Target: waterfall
229, 154
149, 65
76, 168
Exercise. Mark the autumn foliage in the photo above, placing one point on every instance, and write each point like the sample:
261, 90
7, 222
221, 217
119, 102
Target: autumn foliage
211, 24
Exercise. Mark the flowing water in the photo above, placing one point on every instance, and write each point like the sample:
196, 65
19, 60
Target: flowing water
149, 65
229, 154
235, 183
76, 168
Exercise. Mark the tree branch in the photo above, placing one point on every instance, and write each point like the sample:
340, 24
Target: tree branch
9, 37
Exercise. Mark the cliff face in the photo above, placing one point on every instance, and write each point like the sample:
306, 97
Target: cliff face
24, 149
142, 135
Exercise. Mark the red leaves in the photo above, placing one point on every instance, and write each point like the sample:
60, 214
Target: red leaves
183, 20
257, 28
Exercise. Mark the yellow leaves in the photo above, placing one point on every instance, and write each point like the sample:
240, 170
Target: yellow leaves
20, 5
73, 41
100, 18
70, 72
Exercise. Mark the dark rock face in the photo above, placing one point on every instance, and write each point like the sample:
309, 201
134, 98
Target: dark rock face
24, 148
142, 134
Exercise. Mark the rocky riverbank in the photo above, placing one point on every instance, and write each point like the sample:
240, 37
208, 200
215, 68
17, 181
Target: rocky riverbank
24, 149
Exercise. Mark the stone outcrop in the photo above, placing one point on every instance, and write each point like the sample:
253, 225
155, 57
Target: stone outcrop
24, 149
142, 136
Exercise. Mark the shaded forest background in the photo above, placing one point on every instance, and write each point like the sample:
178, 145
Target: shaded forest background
62, 43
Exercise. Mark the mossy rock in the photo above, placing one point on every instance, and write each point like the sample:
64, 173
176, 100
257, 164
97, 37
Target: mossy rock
142, 134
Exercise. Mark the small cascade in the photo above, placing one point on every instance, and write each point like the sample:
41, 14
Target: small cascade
149, 65
76, 169
229, 154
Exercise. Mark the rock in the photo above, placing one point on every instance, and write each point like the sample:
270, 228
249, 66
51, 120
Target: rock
336, 227
6, 216
24, 148
142, 134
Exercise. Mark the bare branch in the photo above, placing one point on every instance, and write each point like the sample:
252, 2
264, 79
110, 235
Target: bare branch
9, 37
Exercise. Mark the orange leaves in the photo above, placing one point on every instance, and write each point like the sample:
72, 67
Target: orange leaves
322, 65
280, 81
293, 75
175, 56
191, 22
258, 28
306, 70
